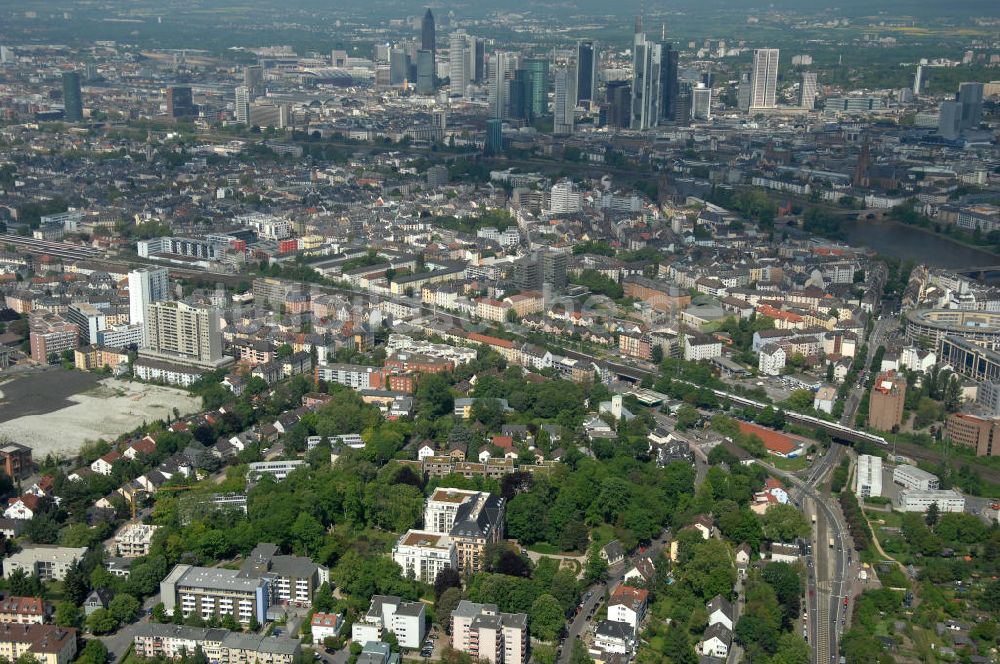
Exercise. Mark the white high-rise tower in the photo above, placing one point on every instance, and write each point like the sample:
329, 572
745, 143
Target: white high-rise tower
145, 287
764, 82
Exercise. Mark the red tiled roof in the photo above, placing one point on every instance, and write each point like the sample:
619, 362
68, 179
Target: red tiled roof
773, 440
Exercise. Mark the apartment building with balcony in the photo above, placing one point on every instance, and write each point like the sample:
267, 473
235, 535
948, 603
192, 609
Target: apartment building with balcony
485, 633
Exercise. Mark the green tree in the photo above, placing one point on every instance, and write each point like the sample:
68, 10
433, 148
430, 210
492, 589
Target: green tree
308, 534
783, 523
687, 417
547, 617
596, 568
677, 645
95, 652
124, 607
76, 585
791, 650
931, 517
101, 621
67, 614
446, 603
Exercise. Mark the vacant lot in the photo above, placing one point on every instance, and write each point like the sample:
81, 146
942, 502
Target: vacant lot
56, 411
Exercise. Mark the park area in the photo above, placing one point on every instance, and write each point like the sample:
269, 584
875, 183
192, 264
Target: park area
55, 411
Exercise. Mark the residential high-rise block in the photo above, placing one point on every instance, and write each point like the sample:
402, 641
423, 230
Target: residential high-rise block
586, 71
183, 332
807, 90
521, 94
764, 83
885, 408
72, 96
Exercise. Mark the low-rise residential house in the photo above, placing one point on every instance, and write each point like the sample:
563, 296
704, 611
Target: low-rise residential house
324, 625
22, 610
47, 644
720, 612
612, 552
104, 464
628, 605
716, 641
612, 637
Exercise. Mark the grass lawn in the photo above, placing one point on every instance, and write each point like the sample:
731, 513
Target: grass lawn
789, 465
544, 548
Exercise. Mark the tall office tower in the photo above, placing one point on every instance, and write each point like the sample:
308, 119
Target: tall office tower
918, 80
501, 71
807, 90
399, 66
970, 96
950, 120
565, 103
494, 136
743, 93
685, 104
243, 97
72, 96
619, 96
180, 103
646, 96
521, 95
669, 59
181, 331
764, 85
458, 63
428, 36
586, 71
538, 69
145, 287
479, 62
253, 78
701, 102
6, 55
425, 72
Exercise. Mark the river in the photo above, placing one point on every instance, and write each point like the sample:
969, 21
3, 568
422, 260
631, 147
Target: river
921, 246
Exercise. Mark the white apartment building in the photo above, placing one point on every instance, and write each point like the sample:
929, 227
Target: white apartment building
50, 563
916, 500
423, 554
771, 360
387, 613
868, 483
912, 477
279, 470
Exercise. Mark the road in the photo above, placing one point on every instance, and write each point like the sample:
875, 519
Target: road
581, 622
832, 573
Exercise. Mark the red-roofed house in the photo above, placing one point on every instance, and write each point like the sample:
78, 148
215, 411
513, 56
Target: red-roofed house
628, 605
145, 445
22, 610
776, 443
103, 464
23, 507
